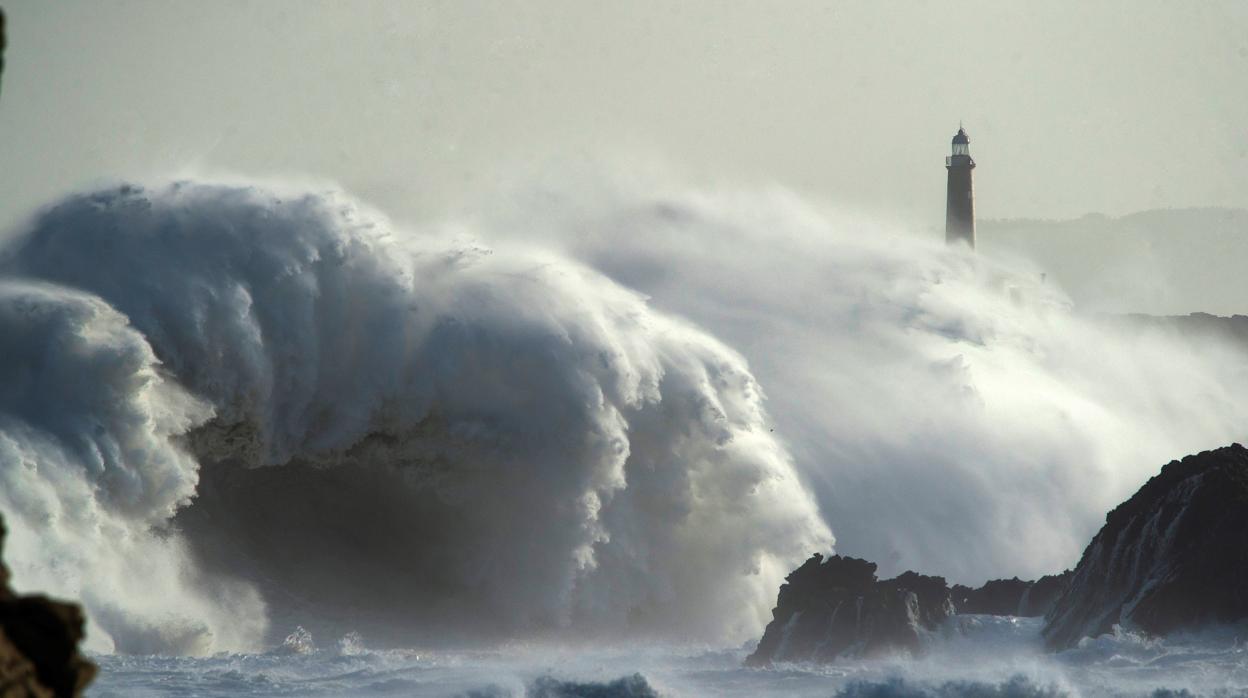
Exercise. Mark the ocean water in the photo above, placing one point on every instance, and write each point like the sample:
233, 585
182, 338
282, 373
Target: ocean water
978, 656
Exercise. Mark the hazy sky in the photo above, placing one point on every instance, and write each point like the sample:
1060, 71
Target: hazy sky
1072, 107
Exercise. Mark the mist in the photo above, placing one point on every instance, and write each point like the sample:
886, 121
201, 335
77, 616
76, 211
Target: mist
954, 413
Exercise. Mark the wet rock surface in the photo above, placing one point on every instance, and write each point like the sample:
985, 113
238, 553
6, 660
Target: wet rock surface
837, 607
39, 640
1011, 597
833, 607
1172, 557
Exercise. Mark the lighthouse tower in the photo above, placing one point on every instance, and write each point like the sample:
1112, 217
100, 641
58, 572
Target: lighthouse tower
960, 199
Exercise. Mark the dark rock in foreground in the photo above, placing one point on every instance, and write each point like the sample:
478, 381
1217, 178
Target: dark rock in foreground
837, 607
1174, 556
39, 644
1011, 597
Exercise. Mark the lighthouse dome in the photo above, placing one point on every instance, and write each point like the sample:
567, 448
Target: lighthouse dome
960, 138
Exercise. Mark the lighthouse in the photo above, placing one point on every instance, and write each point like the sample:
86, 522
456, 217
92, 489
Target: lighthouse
960, 197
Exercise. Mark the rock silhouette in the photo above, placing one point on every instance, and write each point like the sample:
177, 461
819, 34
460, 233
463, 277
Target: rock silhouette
1174, 556
1011, 597
39, 644
837, 607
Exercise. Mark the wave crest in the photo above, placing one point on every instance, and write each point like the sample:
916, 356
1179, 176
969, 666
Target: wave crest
388, 427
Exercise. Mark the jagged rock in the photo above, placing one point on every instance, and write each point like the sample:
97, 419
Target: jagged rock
998, 597
39, 644
1011, 597
1045, 593
1173, 556
837, 607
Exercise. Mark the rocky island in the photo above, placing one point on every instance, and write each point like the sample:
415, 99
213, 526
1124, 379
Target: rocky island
836, 607
1172, 557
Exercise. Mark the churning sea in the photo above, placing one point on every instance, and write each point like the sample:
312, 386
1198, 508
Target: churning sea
975, 656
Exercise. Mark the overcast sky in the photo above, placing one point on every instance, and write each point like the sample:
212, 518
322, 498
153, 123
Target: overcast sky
1072, 107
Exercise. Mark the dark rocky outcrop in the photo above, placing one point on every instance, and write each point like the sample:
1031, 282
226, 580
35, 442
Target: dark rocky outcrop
837, 607
1173, 556
1011, 597
39, 644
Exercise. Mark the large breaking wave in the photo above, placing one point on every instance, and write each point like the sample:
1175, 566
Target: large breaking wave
229, 409
445, 437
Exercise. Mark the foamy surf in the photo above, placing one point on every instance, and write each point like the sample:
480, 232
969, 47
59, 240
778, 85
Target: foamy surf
978, 656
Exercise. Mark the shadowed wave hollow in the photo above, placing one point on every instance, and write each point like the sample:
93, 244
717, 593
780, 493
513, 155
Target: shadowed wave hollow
229, 408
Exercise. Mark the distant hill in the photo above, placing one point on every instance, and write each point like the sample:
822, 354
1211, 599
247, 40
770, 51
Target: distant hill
1199, 329
1163, 262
